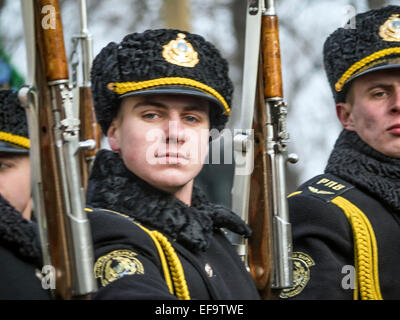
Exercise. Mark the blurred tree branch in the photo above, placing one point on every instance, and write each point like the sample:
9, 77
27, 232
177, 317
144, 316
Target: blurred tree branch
374, 4
176, 14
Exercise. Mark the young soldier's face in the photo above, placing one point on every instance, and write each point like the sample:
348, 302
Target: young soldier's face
374, 111
15, 184
163, 139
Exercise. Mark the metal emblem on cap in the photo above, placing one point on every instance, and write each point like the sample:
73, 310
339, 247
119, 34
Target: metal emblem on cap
390, 30
180, 52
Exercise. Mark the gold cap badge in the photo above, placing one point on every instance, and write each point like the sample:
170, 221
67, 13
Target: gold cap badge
180, 52
390, 30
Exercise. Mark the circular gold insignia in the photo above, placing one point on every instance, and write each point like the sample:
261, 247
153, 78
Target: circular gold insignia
390, 30
116, 264
301, 274
180, 52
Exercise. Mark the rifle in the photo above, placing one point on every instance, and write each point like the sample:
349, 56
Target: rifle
89, 130
259, 195
56, 182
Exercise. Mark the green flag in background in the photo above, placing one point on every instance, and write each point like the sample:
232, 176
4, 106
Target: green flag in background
9, 76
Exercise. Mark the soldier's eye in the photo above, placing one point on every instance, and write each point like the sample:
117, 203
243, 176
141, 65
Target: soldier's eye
191, 119
379, 94
150, 116
5, 165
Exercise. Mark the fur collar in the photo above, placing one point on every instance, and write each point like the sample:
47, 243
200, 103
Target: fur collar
18, 234
112, 186
355, 161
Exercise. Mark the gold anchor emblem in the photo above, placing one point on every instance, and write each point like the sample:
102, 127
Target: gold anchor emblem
390, 30
180, 52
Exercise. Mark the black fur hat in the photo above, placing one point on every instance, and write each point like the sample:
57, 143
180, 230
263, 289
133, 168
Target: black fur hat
373, 44
160, 61
14, 136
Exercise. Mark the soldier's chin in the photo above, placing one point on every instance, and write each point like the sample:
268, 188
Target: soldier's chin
391, 149
393, 153
170, 180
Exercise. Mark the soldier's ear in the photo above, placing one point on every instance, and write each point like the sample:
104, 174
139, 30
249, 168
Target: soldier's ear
113, 135
344, 114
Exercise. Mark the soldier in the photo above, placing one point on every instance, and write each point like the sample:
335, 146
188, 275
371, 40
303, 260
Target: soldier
20, 258
346, 221
157, 94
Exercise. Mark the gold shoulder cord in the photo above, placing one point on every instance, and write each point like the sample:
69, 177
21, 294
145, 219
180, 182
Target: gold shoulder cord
365, 251
176, 269
169, 260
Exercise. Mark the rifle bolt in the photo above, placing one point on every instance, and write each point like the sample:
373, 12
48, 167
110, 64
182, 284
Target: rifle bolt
89, 144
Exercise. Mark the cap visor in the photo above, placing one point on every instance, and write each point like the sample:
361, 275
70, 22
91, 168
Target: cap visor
12, 148
178, 90
377, 67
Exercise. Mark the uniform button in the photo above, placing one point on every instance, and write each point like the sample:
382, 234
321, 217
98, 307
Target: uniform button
209, 270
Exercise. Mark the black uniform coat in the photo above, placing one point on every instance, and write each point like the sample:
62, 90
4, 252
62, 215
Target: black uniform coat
128, 264
323, 236
20, 259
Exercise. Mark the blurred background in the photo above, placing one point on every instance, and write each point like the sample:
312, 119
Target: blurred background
304, 26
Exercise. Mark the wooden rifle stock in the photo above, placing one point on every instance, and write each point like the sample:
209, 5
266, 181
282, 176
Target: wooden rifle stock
89, 130
271, 57
270, 245
68, 229
56, 64
51, 65
260, 244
